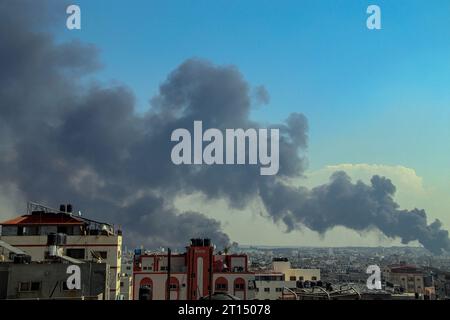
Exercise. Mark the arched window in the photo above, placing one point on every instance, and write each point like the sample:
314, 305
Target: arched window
174, 288
146, 289
239, 284
239, 288
146, 282
174, 284
221, 284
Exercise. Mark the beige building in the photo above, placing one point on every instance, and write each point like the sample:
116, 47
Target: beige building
126, 279
283, 265
86, 239
407, 277
281, 281
270, 285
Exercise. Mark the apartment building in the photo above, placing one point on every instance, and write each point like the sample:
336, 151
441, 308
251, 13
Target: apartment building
86, 239
283, 265
47, 281
282, 281
409, 278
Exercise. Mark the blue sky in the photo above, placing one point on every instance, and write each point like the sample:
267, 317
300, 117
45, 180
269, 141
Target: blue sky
379, 96
370, 96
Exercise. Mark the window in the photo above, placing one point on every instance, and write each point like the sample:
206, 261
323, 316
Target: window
266, 289
292, 278
257, 289
121, 284
76, 253
313, 278
163, 268
100, 254
301, 278
62, 229
173, 287
35, 286
24, 286
65, 229
278, 289
221, 286
29, 286
269, 278
239, 286
27, 231
9, 231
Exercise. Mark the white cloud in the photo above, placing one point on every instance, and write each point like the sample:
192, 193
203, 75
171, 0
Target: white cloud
410, 188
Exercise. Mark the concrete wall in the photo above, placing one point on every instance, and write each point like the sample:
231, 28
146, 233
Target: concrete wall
51, 276
411, 282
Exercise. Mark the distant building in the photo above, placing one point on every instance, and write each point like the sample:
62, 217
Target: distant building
48, 281
197, 273
283, 265
283, 281
87, 239
410, 279
126, 279
269, 285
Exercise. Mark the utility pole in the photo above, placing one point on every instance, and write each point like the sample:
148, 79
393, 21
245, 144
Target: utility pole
168, 274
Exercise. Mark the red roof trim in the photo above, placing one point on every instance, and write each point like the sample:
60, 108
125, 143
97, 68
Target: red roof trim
47, 219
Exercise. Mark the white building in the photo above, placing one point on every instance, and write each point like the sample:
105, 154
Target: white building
281, 281
271, 285
86, 239
283, 265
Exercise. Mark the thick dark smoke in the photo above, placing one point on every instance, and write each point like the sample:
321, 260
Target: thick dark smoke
62, 141
357, 206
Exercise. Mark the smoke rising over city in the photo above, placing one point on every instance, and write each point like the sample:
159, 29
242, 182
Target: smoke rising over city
62, 140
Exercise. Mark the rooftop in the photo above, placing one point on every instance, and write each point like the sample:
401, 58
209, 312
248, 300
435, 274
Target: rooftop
41, 218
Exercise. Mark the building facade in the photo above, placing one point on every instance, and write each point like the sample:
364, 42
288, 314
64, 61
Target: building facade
87, 240
48, 281
269, 285
282, 281
283, 265
192, 275
409, 278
